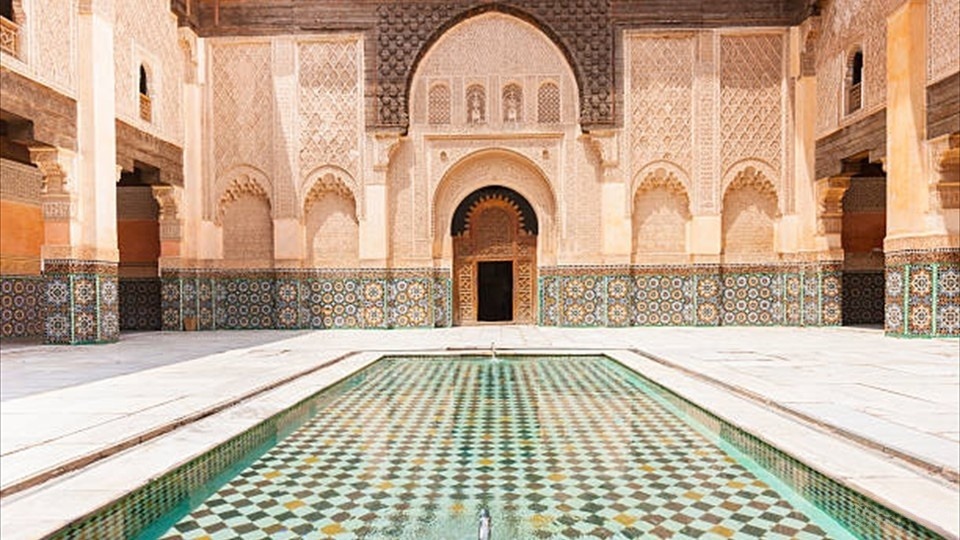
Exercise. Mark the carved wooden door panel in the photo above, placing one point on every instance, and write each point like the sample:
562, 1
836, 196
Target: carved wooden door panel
494, 232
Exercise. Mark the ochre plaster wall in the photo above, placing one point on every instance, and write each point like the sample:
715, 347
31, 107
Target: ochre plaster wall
21, 235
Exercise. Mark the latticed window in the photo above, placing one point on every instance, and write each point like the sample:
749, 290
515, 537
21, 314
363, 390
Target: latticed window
438, 104
476, 104
512, 103
854, 81
548, 103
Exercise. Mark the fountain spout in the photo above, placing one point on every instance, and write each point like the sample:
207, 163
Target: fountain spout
486, 524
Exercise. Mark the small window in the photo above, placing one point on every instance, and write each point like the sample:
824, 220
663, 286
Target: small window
854, 81
146, 105
438, 104
476, 104
548, 103
6, 10
143, 81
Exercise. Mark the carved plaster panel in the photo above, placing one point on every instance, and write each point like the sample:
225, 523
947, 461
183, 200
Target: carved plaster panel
242, 105
443, 153
404, 29
52, 42
751, 114
145, 34
943, 39
846, 25
488, 63
330, 101
661, 99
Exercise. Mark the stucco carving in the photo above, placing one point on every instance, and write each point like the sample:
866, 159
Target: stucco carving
490, 63
488, 168
332, 229
330, 103
661, 99
405, 29
242, 105
548, 103
943, 38
328, 180
749, 213
53, 28
243, 181
661, 209
845, 25
145, 34
751, 114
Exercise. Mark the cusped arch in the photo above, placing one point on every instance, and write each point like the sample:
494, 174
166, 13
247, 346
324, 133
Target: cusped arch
462, 217
749, 168
496, 167
750, 214
467, 15
755, 178
660, 169
330, 178
239, 181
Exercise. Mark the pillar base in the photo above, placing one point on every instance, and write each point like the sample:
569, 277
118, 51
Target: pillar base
81, 301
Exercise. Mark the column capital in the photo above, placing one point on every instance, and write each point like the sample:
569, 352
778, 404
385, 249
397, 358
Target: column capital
53, 163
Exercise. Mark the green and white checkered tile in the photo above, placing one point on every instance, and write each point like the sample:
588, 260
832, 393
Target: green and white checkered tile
554, 448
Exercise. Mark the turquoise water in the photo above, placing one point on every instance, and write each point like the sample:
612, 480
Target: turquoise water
554, 447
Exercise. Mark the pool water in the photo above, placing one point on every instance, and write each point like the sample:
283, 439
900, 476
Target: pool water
558, 447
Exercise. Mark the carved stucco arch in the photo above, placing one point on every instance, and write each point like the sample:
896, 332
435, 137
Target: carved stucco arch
531, 28
331, 178
495, 167
757, 179
752, 168
659, 169
239, 180
464, 16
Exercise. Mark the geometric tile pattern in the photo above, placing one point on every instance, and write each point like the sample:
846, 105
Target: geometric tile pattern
140, 304
569, 447
553, 448
863, 298
685, 296
751, 299
665, 300
21, 306
922, 294
290, 299
81, 303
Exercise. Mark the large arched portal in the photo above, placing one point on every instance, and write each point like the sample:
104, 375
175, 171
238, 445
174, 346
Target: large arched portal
494, 232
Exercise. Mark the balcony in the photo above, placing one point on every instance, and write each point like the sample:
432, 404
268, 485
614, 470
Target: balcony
9, 37
146, 108
854, 98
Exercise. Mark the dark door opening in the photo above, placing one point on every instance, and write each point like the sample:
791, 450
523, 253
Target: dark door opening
495, 291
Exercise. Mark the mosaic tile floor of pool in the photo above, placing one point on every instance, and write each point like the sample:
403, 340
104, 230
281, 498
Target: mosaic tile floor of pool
555, 448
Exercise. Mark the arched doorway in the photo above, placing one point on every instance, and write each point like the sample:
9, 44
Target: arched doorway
494, 232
